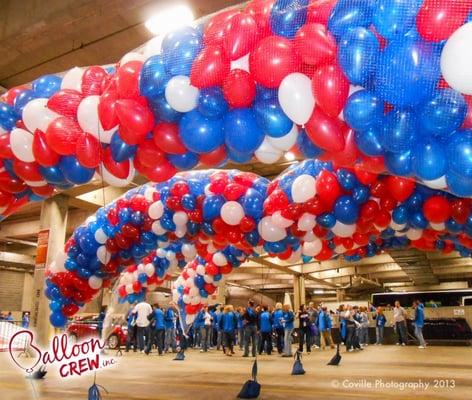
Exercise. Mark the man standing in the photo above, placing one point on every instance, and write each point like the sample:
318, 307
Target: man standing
313, 313
419, 323
399, 319
324, 327
131, 336
157, 333
169, 323
250, 329
142, 311
265, 323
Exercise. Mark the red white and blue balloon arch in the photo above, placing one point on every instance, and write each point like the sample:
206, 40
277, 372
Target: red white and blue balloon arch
379, 91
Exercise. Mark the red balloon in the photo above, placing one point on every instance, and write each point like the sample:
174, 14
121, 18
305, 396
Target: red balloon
136, 121
331, 89
210, 67
161, 172
365, 177
468, 118
148, 153
460, 210
217, 27
325, 132
88, 151
315, 44
130, 231
5, 199
69, 309
62, 135
400, 188
247, 225
42, 153
382, 219
260, 11
349, 155
234, 191
10, 185
437, 20
166, 137
65, 102
272, 60
369, 210
239, 89
127, 77
319, 12
241, 35
11, 94
214, 158
209, 288
107, 110
328, 188
28, 171
437, 209
43, 191
277, 201
92, 80
5, 147
118, 169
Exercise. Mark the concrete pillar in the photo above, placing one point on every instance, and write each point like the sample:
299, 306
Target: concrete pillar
340, 295
298, 292
220, 293
53, 220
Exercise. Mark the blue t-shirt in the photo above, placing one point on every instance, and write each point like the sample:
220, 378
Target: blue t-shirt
419, 316
289, 318
169, 319
159, 319
276, 319
265, 322
228, 322
240, 320
380, 320
199, 320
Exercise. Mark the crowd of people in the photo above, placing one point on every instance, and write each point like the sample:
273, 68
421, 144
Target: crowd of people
263, 329
25, 318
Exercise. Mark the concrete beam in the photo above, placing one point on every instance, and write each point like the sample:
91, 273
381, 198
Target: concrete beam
16, 260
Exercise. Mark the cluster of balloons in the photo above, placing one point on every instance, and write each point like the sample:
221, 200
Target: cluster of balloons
206, 223
384, 84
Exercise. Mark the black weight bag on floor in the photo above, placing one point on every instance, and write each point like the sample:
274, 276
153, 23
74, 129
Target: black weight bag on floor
251, 389
297, 368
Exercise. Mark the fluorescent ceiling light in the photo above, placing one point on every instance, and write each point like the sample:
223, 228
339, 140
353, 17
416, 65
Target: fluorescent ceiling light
169, 19
318, 291
289, 156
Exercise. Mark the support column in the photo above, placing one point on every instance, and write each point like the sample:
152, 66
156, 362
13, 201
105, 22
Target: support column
340, 295
220, 293
298, 292
53, 223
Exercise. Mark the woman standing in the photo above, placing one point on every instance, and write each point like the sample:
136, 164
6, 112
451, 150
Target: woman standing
228, 325
380, 321
305, 331
277, 318
288, 318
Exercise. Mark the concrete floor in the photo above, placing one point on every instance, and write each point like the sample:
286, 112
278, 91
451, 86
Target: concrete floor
214, 376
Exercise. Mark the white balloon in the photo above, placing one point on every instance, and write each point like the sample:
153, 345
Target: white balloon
219, 259
232, 212
149, 193
269, 231
132, 56
439, 183
87, 117
306, 222
95, 282
36, 115
112, 180
266, 153
194, 291
285, 143
103, 255
21, 143
191, 273
303, 188
397, 227
189, 318
414, 234
157, 228
58, 264
149, 269
180, 218
153, 47
186, 299
129, 288
309, 236
208, 278
312, 249
180, 94
189, 251
196, 300
156, 210
438, 227
100, 236
36, 183
296, 97
200, 269
127, 278
456, 60
241, 63
73, 79
280, 221
343, 230
170, 255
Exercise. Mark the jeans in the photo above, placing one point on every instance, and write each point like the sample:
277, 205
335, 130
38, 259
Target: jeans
219, 340
198, 337
170, 341
364, 335
280, 339
379, 331
205, 333
305, 337
288, 341
352, 340
250, 335
143, 336
228, 340
241, 338
266, 343
400, 327
131, 338
419, 335
326, 339
156, 336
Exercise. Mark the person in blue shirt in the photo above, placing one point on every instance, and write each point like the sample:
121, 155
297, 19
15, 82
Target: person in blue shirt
380, 322
288, 323
169, 323
342, 323
219, 332
265, 323
100, 319
214, 330
25, 320
131, 336
197, 328
277, 318
324, 326
239, 315
250, 329
157, 330
419, 323
228, 325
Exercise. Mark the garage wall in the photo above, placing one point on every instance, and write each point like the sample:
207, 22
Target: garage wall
11, 290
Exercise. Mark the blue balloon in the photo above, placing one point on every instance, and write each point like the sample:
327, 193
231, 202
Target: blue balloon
414, 202
189, 202
21, 100
288, 16
211, 207
252, 238
163, 111
124, 215
326, 220
399, 163
358, 54
346, 210
199, 133
400, 215
360, 194
429, 159
212, 103
349, 14
394, 18
271, 118
84, 273
239, 158
180, 52
153, 78
46, 85
87, 243
453, 226
407, 72
398, 131
263, 93
443, 114
241, 131
137, 218
418, 220
307, 147
55, 305
199, 281
8, 116
369, 141
120, 150
74, 172
347, 179
459, 153
363, 109
57, 319
183, 161
459, 184
253, 203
